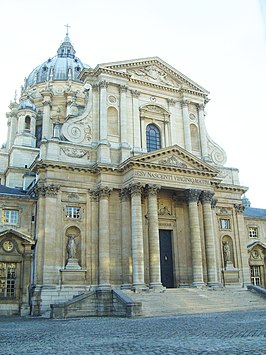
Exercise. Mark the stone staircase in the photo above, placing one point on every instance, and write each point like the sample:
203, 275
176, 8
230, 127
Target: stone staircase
196, 300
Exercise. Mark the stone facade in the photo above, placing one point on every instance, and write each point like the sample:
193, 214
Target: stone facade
110, 180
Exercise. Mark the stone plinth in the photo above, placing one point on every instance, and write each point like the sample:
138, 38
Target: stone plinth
231, 276
73, 277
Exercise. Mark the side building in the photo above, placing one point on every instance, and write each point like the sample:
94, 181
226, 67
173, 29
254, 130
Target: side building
109, 179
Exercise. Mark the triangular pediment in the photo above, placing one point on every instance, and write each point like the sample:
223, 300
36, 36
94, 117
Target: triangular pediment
256, 243
12, 232
154, 70
176, 158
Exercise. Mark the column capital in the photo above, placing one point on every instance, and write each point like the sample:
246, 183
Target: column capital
201, 107
124, 194
153, 189
192, 195
239, 208
214, 202
206, 196
135, 188
94, 194
171, 102
135, 93
50, 190
123, 88
104, 192
184, 102
103, 84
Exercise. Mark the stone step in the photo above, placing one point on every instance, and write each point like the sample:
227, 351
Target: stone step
196, 300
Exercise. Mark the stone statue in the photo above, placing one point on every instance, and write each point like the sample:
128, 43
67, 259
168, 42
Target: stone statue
71, 247
226, 252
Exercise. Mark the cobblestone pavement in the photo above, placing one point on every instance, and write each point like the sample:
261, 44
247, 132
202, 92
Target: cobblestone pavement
242, 332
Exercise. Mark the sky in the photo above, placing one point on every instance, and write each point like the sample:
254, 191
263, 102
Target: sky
219, 44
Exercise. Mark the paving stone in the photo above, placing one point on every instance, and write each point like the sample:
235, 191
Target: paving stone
240, 332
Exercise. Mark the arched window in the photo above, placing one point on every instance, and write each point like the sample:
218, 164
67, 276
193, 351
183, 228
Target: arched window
27, 123
153, 138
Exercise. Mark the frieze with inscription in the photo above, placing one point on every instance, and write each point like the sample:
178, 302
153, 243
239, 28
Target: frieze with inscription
171, 177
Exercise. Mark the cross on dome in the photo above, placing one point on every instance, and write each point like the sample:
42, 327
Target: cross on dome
67, 26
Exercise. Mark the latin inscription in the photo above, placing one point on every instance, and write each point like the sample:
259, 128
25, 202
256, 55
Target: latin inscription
168, 177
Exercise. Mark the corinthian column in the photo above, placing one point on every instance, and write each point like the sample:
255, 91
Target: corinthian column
187, 135
137, 237
203, 133
103, 111
104, 243
126, 239
197, 269
154, 246
206, 199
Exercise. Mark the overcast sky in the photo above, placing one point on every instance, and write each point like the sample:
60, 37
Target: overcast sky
220, 44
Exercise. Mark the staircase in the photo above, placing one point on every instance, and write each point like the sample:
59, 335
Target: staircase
196, 300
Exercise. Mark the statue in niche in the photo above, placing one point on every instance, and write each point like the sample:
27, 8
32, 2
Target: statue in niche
71, 247
227, 254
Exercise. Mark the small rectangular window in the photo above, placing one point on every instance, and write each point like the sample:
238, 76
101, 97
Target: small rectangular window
225, 224
73, 212
10, 217
253, 232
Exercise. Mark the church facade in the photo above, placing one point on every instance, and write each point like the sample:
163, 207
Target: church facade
109, 179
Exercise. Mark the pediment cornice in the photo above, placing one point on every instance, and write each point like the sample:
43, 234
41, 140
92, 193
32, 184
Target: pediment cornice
173, 158
26, 239
152, 72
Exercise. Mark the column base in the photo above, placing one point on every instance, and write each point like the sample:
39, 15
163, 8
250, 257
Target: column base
214, 284
198, 284
139, 288
156, 286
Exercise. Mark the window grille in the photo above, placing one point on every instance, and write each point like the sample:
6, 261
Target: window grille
253, 232
72, 212
7, 280
255, 275
10, 217
153, 138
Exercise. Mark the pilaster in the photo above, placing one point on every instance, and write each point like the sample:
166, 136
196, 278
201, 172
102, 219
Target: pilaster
203, 134
125, 148
47, 131
187, 135
136, 122
103, 151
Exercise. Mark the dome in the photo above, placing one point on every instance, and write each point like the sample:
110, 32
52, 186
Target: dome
65, 65
27, 104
